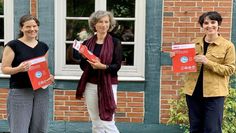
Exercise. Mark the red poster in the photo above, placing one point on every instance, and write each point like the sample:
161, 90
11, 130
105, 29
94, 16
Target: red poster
84, 50
39, 73
183, 61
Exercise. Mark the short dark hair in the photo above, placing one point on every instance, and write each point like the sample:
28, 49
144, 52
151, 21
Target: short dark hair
25, 18
212, 15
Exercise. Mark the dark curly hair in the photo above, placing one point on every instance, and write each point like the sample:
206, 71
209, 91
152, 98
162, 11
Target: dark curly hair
212, 15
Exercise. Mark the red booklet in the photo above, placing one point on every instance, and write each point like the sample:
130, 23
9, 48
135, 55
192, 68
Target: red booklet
84, 50
39, 73
183, 61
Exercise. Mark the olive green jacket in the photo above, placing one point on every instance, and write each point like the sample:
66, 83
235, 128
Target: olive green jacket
216, 72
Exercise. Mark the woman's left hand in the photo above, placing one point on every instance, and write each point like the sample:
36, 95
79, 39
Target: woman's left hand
200, 59
52, 78
96, 64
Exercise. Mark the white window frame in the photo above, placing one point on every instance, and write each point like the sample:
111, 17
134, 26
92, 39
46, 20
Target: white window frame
126, 73
8, 24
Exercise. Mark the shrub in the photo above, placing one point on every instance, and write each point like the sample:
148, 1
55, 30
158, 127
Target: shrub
179, 112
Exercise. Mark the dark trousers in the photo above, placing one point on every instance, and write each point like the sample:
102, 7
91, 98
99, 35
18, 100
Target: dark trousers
205, 114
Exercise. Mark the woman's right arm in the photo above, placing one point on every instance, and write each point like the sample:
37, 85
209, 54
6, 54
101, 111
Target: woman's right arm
8, 56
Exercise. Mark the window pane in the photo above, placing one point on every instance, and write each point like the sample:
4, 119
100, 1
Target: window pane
80, 8
69, 55
1, 50
128, 55
124, 31
1, 7
77, 29
1, 28
122, 8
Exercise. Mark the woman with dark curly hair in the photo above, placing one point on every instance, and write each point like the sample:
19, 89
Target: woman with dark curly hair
206, 89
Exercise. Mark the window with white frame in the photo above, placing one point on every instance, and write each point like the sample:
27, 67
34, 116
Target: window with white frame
71, 22
6, 25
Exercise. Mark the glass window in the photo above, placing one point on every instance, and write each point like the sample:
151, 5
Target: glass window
6, 25
79, 8
72, 23
1, 28
125, 31
77, 14
1, 50
77, 29
128, 55
122, 8
1, 7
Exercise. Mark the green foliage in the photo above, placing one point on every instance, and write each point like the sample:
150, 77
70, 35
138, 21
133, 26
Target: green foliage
1, 7
179, 112
229, 121
122, 8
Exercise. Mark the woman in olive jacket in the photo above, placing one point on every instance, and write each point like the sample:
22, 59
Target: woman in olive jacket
206, 89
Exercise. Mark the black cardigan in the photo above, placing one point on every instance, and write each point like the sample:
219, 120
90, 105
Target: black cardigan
113, 68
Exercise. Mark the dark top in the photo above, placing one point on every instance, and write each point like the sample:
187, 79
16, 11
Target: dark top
112, 68
22, 53
198, 92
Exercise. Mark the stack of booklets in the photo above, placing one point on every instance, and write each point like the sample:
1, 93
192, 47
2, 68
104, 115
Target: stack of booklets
84, 50
183, 61
39, 73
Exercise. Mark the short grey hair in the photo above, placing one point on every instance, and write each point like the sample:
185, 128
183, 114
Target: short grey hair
95, 16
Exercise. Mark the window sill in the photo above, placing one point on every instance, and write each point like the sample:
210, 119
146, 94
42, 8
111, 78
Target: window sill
4, 76
119, 78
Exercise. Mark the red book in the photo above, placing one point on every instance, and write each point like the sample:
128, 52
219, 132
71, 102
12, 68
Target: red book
183, 61
84, 50
39, 73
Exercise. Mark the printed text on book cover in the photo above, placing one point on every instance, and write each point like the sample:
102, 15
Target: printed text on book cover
39, 73
183, 61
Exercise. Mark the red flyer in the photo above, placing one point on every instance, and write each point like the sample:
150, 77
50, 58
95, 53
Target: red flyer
39, 73
183, 61
84, 50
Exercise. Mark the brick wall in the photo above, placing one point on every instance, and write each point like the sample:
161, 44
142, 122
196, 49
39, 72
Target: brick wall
180, 26
130, 107
34, 7
3, 105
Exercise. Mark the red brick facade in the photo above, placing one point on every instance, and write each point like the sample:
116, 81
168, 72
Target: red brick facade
3, 105
67, 108
130, 106
34, 7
